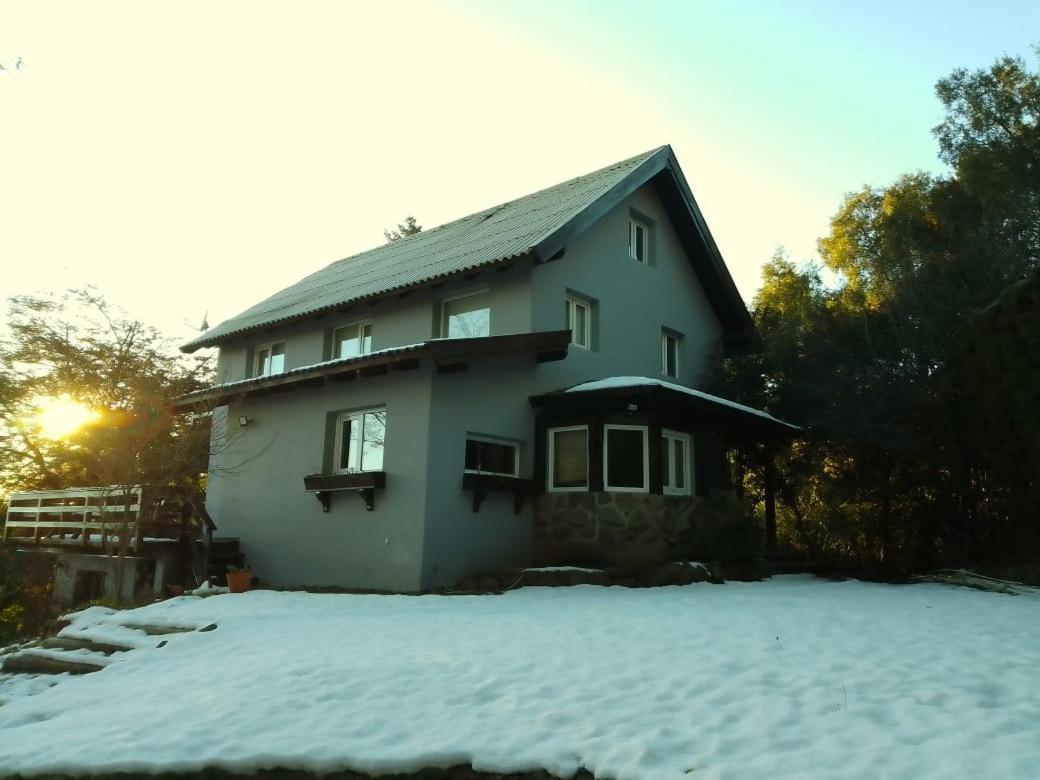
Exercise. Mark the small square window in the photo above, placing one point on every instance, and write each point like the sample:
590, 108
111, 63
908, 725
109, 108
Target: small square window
270, 359
569, 458
468, 316
670, 354
675, 463
352, 340
638, 240
488, 456
579, 322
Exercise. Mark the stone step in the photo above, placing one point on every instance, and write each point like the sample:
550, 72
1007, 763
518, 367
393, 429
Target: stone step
27, 662
69, 643
153, 630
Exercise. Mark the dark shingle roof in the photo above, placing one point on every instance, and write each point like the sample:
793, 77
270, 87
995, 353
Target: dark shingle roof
498, 233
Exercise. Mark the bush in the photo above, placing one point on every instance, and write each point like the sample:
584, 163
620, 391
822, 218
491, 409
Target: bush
724, 528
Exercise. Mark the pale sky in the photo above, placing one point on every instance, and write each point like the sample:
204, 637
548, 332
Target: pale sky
198, 156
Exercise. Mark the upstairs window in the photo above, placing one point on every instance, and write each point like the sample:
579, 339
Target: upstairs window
569, 458
467, 316
579, 322
675, 463
491, 456
638, 240
352, 340
270, 359
626, 466
670, 354
359, 441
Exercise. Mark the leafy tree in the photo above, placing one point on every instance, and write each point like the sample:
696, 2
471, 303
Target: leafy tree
404, 229
79, 349
891, 366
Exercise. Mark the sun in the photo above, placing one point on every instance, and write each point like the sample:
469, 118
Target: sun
62, 416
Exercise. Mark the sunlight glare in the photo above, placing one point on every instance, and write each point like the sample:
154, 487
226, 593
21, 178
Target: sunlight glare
62, 416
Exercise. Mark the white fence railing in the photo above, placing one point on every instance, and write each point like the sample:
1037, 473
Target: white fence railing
71, 515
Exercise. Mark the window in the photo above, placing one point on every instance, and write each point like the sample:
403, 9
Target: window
638, 240
569, 458
625, 462
270, 359
359, 441
675, 463
579, 322
670, 354
491, 456
468, 316
352, 340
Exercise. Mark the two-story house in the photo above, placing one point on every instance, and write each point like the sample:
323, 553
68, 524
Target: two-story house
518, 386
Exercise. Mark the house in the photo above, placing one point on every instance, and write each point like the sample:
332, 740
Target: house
518, 386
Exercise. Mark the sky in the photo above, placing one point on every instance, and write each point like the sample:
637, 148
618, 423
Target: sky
192, 158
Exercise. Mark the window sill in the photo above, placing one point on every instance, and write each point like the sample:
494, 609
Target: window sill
482, 484
363, 482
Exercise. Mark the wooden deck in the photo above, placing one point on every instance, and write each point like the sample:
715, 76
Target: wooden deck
84, 517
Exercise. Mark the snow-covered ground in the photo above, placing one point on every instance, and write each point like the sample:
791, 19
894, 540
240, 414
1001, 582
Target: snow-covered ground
790, 678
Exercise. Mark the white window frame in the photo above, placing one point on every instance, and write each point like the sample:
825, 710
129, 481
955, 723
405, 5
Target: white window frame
668, 480
667, 335
501, 442
551, 439
573, 303
634, 245
646, 458
359, 416
361, 341
269, 346
444, 311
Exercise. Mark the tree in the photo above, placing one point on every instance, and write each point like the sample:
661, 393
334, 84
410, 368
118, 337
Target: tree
80, 353
404, 229
890, 366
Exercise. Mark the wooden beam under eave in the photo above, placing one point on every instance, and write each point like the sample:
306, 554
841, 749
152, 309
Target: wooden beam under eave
452, 368
405, 365
376, 370
344, 376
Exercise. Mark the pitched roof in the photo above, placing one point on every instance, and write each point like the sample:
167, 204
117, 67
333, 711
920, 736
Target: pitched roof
537, 225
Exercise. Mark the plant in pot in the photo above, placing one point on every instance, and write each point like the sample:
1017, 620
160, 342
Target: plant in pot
239, 580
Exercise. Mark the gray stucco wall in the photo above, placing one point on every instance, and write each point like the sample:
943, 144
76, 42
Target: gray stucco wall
634, 301
256, 487
487, 400
395, 321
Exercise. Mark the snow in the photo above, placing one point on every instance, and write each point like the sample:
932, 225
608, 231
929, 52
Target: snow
790, 678
620, 382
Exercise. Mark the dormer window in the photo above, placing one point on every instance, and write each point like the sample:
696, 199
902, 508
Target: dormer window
270, 359
638, 240
352, 340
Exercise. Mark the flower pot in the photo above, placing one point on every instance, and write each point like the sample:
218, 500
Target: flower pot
175, 590
239, 581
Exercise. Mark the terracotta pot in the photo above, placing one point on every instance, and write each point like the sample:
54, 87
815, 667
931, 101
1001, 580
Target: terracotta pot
175, 590
239, 581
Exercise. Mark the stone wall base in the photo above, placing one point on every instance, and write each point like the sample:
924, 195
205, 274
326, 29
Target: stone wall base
627, 530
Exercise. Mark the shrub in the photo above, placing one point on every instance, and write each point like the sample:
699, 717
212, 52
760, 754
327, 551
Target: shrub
724, 528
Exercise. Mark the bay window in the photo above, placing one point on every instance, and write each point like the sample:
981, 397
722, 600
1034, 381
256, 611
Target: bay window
675, 463
626, 465
568, 458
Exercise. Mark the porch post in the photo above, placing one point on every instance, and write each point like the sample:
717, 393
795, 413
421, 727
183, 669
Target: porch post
770, 500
